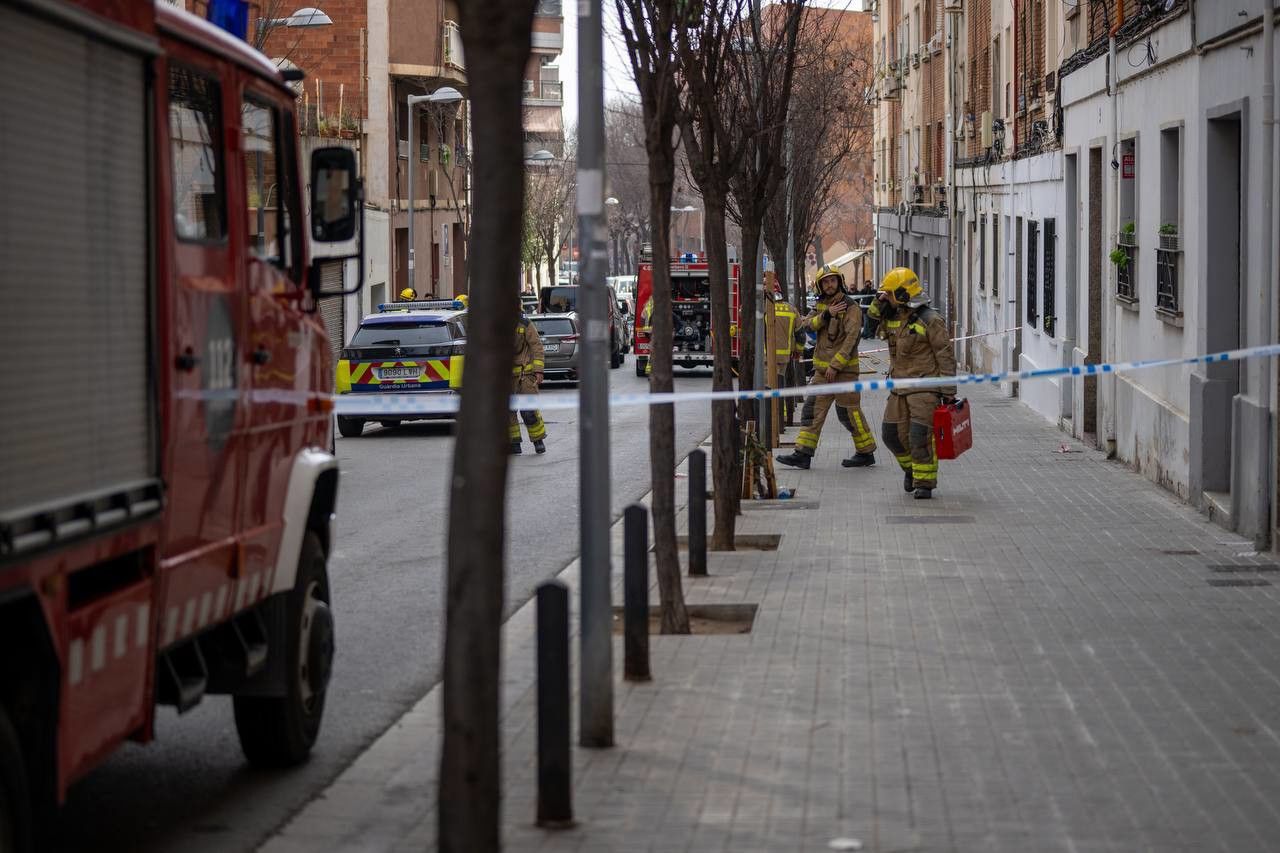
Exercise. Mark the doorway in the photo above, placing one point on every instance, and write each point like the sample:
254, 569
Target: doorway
1093, 248
402, 259
1223, 328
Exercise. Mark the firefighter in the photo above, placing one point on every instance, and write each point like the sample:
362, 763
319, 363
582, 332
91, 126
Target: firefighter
526, 377
784, 343
919, 346
646, 329
837, 320
408, 295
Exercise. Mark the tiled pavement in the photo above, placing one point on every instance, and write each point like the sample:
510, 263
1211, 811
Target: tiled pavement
1033, 661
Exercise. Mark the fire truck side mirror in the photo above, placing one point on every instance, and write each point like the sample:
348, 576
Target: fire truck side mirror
335, 195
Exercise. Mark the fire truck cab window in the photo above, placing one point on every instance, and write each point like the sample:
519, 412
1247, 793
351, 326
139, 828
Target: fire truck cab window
263, 187
195, 131
691, 287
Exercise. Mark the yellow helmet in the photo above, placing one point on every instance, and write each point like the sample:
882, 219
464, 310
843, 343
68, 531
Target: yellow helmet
408, 294
902, 287
827, 270
463, 298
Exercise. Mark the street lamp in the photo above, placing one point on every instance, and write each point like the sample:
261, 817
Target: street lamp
306, 17
442, 96
613, 202
542, 159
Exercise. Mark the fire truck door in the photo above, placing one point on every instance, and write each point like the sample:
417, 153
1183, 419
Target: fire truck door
277, 338
205, 431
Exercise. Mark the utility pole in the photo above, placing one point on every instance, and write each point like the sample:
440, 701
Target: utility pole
595, 694
764, 407
413, 102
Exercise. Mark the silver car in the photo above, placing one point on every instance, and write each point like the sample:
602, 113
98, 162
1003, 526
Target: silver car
559, 333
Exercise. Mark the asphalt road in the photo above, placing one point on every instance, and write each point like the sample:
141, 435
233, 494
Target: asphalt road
191, 790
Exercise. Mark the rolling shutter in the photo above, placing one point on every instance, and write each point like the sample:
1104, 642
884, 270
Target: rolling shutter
332, 308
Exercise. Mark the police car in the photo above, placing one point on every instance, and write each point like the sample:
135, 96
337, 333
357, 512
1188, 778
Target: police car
405, 348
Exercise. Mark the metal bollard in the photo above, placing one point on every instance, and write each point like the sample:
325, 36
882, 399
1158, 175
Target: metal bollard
635, 594
555, 792
697, 513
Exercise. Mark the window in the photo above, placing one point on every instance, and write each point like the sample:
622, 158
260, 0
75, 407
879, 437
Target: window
982, 252
402, 334
995, 254
1033, 269
1126, 256
195, 134
1050, 275
1168, 237
262, 185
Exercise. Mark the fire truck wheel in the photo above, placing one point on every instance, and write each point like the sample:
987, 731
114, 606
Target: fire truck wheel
641, 364
15, 828
280, 731
350, 427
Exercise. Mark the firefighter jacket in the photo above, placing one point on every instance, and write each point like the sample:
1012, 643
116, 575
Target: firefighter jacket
921, 346
646, 318
838, 336
784, 332
529, 354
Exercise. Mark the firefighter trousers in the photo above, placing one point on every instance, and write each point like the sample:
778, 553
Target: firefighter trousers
908, 432
848, 410
526, 383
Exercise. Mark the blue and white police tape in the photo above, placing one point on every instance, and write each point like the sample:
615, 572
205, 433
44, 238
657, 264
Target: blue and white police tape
391, 404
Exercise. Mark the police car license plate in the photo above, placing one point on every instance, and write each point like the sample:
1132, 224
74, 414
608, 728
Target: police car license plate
400, 373
551, 347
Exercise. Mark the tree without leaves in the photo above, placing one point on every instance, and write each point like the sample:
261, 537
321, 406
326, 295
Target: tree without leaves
830, 125
628, 181
497, 39
649, 29
769, 72
548, 191
715, 96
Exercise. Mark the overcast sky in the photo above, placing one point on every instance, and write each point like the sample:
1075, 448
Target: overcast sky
617, 68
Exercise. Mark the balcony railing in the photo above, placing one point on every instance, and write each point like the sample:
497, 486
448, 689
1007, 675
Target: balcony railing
543, 41
545, 90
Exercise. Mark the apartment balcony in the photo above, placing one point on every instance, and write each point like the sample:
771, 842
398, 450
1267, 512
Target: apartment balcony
544, 93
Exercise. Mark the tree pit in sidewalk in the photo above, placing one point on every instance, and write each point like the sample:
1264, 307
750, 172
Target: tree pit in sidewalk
741, 542
704, 619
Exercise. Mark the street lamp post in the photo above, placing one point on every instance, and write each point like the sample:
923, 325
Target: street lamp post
443, 95
542, 158
308, 16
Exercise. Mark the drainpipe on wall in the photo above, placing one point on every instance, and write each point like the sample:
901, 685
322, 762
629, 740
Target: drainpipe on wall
1109, 328
1268, 278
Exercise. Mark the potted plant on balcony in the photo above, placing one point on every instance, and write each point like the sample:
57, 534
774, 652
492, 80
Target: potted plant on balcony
1126, 236
1170, 241
1119, 257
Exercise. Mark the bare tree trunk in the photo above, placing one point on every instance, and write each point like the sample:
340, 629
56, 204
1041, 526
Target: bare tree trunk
662, 419
748, 280
497, 41
724, 426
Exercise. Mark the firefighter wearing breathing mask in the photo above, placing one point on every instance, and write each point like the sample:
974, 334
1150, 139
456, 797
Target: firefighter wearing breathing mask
919, 346
837, 320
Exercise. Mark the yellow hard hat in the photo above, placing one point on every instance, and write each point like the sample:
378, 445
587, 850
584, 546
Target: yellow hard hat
827, 270
463, 298
902, 286
408, 294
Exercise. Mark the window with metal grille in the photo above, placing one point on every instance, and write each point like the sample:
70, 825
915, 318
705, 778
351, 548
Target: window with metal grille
1167, 280
982, 252
995, 254
1127, 273
1033, 273
1050, 274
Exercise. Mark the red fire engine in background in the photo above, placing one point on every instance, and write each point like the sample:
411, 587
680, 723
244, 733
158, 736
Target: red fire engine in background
166, 480
691, 310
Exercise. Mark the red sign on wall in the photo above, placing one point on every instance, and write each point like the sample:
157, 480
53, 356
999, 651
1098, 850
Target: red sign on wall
1126, 167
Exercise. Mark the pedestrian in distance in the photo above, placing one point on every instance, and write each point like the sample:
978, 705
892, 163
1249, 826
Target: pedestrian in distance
526, 376
919, 346
837, 320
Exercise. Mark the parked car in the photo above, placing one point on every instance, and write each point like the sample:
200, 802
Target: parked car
559, 333
563, 299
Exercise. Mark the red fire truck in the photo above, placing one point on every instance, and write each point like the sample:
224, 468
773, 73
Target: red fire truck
166, 481
691, 309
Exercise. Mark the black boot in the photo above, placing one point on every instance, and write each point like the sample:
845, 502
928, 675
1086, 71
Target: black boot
539, 446
859, 460
795, 459
908, 482
515, 448
923, 494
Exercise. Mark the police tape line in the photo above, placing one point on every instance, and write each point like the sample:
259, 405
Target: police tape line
861, 353
392, 404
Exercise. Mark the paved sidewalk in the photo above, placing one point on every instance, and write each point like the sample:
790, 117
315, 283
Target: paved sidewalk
1033, 661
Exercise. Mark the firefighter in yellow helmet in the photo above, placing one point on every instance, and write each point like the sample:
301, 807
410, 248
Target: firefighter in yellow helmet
646, 329
837, 320
463, 298
785, 321
408, 294
919, 346
526, 376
